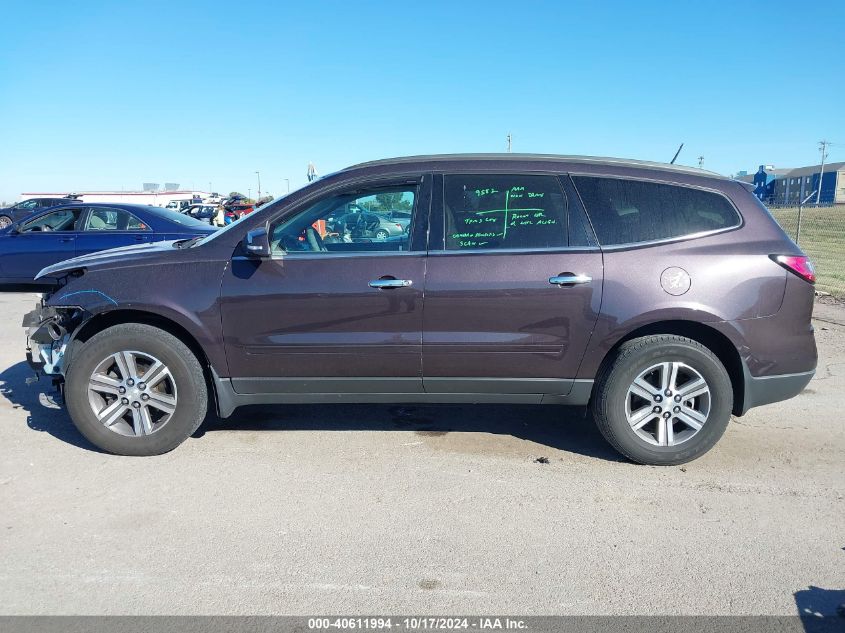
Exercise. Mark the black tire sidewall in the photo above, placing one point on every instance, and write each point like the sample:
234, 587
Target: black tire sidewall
615, 425
187, 373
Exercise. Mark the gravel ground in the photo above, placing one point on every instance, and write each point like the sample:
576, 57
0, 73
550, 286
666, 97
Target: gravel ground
380, 509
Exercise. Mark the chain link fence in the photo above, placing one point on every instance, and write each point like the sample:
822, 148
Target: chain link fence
820, 232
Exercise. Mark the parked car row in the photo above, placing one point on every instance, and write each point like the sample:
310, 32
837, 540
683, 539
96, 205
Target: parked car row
664, 298
204, 212
207, 212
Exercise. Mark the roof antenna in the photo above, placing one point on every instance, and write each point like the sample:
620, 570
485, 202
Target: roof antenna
672, 162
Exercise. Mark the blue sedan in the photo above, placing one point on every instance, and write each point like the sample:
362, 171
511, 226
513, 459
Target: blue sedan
71, 230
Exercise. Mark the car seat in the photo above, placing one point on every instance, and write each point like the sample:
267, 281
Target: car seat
97, 223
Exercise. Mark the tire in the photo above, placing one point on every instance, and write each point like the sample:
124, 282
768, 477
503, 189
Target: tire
381, 234
5, 221
616, 399
182, 390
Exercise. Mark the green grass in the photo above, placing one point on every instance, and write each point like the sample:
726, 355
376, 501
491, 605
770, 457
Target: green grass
823, 239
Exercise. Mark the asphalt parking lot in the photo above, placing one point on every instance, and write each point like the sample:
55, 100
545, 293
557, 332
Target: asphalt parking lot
381, 509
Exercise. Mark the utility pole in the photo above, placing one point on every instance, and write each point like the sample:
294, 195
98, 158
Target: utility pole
259, 184
510, 138
249, 193
701, 162
287, 183
823, 149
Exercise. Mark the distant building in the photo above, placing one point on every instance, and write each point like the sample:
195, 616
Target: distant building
794, 185
764, 181
152, 198
802, 183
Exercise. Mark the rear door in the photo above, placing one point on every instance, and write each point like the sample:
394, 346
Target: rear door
111, 227
513, 286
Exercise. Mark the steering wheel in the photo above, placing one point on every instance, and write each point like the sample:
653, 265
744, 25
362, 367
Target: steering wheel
315, 242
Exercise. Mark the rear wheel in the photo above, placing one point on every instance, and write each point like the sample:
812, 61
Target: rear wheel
134, 389
663, 400
381, 234
5, 221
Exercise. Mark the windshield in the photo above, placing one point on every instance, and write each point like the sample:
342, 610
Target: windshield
25, 204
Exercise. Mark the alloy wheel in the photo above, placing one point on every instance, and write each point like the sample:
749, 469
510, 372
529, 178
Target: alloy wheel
132, 393
668, 403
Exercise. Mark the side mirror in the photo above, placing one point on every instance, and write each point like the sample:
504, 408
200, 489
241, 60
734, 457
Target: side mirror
257, 243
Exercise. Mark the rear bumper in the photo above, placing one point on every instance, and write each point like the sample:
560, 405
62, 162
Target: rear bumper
760, 390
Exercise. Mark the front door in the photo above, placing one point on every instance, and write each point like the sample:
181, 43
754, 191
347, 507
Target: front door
514, 289
44, 240
338, 308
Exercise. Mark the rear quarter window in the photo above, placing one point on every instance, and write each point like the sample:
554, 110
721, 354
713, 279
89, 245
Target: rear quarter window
633, 211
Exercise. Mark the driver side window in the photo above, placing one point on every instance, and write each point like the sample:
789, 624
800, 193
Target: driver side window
60, 220
354, 222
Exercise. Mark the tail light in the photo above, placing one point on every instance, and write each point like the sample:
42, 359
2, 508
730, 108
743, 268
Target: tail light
399, 226
798, 265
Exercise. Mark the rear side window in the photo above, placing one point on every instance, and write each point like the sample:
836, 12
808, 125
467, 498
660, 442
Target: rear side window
632, 211
504, 211
107, 219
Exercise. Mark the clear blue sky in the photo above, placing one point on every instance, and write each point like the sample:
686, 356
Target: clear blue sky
104, 95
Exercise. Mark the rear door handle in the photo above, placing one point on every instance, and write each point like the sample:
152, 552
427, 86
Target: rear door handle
390, 283
569, 279
66, 239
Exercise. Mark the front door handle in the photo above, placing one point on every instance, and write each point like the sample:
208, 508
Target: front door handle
66, 239
390, 283
569, 279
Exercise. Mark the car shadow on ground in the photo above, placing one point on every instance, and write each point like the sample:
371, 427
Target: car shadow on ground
568, 429
821, 610
42, 403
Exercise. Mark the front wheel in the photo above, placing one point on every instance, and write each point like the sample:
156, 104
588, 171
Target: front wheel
134, 389
663, 400
5, 221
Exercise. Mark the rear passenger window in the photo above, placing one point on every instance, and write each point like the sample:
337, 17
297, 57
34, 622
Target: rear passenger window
504, 211
631, 211
107, 219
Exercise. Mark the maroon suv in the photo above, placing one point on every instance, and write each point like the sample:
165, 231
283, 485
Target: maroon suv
665, 298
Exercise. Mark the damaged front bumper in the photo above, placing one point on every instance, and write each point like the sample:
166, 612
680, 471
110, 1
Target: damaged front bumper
48, 333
